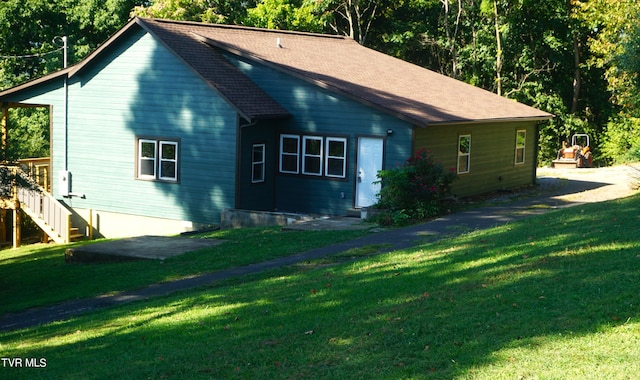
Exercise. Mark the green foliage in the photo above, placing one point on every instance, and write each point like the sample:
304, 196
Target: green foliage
415, 190
575, 59
28, 133
214, 11
622, 140
285, 15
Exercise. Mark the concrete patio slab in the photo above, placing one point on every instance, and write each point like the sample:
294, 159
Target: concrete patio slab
137, 248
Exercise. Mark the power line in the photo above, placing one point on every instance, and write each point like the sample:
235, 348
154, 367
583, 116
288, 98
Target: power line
31, 55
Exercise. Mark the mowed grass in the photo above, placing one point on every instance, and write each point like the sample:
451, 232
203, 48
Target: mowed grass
551, 297
38, 276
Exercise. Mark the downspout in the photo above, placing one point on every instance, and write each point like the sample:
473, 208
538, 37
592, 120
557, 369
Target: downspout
66, 101
536, 154
249, 122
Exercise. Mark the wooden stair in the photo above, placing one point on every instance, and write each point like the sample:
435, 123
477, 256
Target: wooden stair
75, 235
51, 215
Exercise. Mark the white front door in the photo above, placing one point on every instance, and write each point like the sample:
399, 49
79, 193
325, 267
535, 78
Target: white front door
369, 162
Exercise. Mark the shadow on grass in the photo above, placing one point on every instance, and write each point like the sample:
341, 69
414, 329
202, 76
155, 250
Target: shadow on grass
440, 310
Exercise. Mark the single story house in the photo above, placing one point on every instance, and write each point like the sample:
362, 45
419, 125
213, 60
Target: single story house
168, 123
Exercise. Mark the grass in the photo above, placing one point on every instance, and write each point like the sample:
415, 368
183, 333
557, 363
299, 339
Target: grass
554, 296
38, 276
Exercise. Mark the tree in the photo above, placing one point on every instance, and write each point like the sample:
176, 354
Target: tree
613, 26
31, 32
286, 15
351, 18
214, 11
490, 8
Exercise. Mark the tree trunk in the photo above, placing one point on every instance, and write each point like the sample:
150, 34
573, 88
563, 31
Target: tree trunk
498, 49
577, 78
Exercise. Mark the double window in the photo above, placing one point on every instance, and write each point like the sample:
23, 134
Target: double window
157, 159
313, 155
521, 139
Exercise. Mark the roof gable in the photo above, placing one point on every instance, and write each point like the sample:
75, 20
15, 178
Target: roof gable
250, 101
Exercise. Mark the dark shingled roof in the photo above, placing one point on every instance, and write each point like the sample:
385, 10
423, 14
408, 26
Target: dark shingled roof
340, 64
336, 63
216, 70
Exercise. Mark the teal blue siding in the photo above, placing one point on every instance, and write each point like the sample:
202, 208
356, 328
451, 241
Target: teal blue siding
141, 89
321, 112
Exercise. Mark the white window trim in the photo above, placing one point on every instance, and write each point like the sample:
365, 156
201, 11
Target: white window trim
255, 164
467, 155
343, 157
162, 143
523, 147
153, 159
296, 154
305, 155
157, 159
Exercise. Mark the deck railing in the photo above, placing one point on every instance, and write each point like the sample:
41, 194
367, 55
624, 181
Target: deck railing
48, 213
51, 215
38, 169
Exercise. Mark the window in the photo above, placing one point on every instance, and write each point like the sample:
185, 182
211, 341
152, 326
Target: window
464, 153
147, 159
311, 155
169, 160
336, 159
257, 163
157, 160
521, 138
289, 153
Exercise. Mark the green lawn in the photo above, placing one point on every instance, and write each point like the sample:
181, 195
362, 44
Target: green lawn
38, 276
551, 297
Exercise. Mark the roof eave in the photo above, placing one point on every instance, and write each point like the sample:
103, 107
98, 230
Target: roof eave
27, 85
496, 120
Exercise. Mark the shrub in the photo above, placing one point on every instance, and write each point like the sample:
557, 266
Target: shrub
417, 188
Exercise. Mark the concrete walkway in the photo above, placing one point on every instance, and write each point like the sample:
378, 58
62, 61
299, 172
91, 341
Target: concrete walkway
554, 192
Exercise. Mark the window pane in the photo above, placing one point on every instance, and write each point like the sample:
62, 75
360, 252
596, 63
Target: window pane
463, 164
519, 155
289, 163
335, 167
465, 144
258, 153
336, 148
312, 165
147, 149
312, 146
168, 170
521, 138
168, 151
147, 167
289, 145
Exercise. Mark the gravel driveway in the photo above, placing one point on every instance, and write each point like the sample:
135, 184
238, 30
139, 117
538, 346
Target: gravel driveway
590, 184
